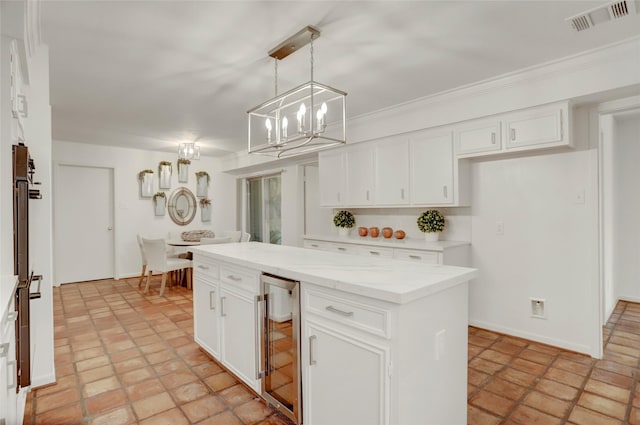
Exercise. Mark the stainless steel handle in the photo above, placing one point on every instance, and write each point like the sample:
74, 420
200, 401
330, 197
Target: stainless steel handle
338, 311
234, 278
4, 349
259, 323
312, 359
109, 228
367, 195
445, 191
338, 193
415, 257
341, 248
200, 266
513, 134
212, 300
401, 193
315, 245
493, 138
374, 253
12, 375
222, 313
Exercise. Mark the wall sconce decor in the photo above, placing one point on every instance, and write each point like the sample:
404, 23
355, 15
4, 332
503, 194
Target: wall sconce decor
145, 177
183, 170
164, 171
205, 209
159, 203
202, 184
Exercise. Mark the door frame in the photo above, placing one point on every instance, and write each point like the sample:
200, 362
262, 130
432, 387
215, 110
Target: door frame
115, 213
609, 108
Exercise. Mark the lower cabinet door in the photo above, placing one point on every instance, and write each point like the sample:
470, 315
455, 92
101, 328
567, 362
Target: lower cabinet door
205, 313
346, 378
238, 319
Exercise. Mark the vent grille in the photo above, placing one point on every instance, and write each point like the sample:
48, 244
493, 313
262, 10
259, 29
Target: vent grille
600, 14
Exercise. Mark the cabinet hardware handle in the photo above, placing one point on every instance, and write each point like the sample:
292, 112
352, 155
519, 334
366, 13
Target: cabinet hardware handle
200, 266
340, 312
493, 138
312, 359
222, 313
340, 248
338, 196
445, 191
260, 315
415, 257
4, 349
402, 194
234, 278
374, 253
367, 195
212, 297
12, 384
314, 245
513, 134
12, 316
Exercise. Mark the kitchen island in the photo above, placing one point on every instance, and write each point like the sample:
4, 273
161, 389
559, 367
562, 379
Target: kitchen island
381, 341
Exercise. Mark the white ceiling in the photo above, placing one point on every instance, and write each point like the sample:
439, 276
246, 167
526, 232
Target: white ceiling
148, 74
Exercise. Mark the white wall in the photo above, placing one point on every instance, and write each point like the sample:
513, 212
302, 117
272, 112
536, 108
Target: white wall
135, 215
609, 292
549, 249
626, 206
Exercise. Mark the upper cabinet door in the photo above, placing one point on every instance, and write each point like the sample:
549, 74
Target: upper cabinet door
478, 136
542, 126
331, 173
392, 172
360, 176
432, 169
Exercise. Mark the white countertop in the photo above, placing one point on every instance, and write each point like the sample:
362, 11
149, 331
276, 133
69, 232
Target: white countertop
381, 278
407, 243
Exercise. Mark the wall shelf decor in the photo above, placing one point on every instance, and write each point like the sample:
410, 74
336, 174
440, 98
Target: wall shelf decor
183, 170
202, 184
145, 177
165, 170
205, 209
159, 203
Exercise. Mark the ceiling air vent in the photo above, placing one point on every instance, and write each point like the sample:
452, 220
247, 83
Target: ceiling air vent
600, 14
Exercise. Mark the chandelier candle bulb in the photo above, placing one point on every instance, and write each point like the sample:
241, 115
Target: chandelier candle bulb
301, 115
320, 117
285, 125
267, 124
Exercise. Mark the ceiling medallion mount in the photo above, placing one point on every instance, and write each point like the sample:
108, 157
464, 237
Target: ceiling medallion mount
318, 111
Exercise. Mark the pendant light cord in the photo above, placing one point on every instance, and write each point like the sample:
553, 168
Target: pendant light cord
275, 61
311, 50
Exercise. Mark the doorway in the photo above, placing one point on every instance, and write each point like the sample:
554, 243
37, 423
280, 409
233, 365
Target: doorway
83, 217
619, 207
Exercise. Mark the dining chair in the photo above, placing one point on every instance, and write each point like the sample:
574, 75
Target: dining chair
144, 260
159, 262
212, 241
245, 237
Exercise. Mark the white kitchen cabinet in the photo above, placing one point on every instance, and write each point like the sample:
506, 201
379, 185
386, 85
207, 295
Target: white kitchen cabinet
432, 180
392, 172
478, 136
331, 173
238, 332
538, 127
360, 176
205, 306
346, 379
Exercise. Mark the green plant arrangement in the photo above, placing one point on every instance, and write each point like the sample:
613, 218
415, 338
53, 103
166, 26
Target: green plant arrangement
205, 202
158, 195
201, 174
143, 172
184, 161
431, 223
344, 219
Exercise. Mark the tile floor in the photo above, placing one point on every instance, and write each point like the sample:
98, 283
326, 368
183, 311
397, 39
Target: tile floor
123, 358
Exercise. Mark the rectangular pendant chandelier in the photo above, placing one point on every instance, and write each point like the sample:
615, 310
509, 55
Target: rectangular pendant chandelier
305, 119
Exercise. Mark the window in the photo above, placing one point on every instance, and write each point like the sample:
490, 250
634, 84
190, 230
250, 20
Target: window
264, 221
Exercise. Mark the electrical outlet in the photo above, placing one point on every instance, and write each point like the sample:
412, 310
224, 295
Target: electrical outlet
538, 308
499, 228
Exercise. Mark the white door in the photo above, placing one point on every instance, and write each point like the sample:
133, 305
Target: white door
332, 178
392, 172
83, 223
205, 306
360, 178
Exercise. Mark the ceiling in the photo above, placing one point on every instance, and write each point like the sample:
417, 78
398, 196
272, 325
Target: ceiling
149, 74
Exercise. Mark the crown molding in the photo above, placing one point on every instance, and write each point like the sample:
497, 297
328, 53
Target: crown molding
32, 28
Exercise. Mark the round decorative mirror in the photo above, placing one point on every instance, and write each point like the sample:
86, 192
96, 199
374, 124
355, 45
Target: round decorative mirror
182, 206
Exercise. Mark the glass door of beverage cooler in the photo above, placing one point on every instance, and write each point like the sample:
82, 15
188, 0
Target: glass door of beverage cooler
281, 345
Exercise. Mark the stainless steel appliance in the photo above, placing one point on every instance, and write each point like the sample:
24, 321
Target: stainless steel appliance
23, 171
280, 342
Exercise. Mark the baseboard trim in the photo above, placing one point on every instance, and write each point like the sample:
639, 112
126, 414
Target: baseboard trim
629, 299
584, 349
